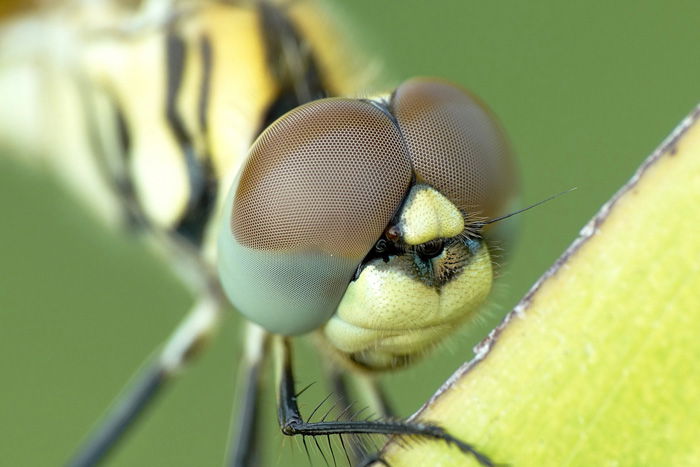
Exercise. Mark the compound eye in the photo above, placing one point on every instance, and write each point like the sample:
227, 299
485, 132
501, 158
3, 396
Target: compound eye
456, 145
316, 192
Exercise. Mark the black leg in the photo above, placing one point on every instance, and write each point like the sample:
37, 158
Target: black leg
292, 423
149, 383
352, 444
123, 415
244, 443
376, 395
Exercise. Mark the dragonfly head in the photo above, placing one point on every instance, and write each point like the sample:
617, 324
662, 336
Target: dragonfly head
363, 219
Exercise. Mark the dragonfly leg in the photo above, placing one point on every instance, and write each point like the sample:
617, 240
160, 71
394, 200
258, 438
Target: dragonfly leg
292, 423
375, 393
338, 380
244, 451
150, 381
372, 394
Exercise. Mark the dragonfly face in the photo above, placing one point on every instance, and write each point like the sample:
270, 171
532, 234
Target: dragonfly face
360, 218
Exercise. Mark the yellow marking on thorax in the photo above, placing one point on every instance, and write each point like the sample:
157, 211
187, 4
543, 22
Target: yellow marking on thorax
132, 73
242, 86
428, 215
345, 69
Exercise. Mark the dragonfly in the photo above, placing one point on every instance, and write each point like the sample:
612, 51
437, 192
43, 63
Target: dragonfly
215, 131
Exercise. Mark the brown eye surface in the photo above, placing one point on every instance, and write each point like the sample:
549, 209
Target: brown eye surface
317, 191
327, 176
456, 145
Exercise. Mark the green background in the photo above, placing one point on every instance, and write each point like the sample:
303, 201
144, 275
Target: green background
586, 90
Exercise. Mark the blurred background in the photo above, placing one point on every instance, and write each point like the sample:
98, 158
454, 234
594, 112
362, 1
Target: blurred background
585, 90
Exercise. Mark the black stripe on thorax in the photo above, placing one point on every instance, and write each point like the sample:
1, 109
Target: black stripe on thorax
133, 212
291, 61
113, 167
205, 86
201, 176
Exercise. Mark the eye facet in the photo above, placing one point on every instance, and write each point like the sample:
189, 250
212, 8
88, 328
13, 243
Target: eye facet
317, 191
456, 145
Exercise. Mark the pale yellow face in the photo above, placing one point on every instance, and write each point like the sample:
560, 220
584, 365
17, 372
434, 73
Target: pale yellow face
402, 307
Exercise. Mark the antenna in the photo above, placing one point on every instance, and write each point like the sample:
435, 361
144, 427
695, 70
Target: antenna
496, 219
